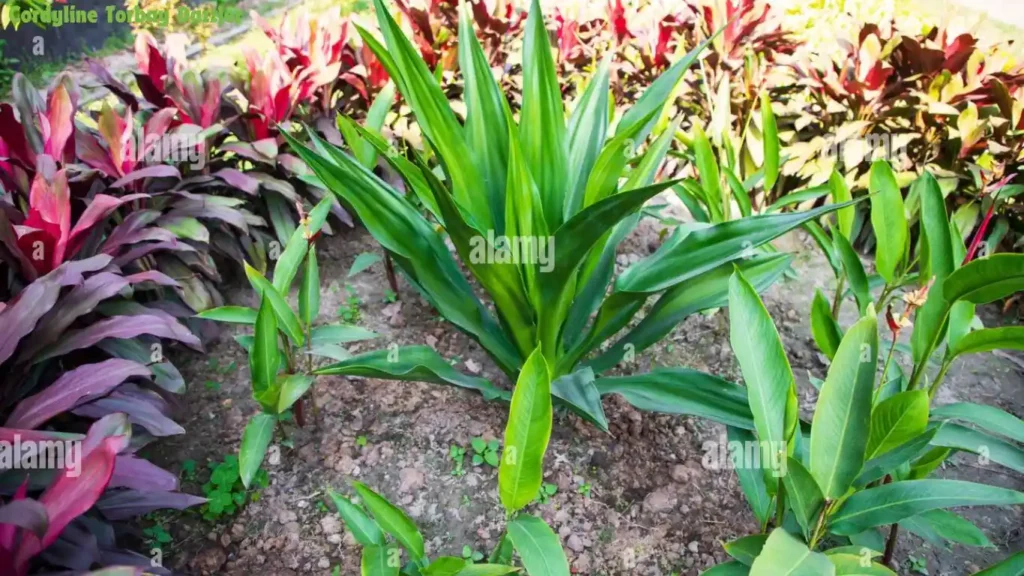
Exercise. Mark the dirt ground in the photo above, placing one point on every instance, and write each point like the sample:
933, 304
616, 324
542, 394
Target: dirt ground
652, 509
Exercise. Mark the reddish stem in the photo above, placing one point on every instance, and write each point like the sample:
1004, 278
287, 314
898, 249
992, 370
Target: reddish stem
976, 242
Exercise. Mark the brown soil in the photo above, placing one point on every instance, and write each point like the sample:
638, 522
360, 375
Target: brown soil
652, 509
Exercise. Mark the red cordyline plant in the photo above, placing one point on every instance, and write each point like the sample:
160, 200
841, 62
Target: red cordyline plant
46, 128
435, 27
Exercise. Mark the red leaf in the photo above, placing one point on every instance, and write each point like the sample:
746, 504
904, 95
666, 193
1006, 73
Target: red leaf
60, 116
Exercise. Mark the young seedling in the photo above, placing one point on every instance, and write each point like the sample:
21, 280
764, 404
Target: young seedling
485, 452
547, 490
457, 454
472, 555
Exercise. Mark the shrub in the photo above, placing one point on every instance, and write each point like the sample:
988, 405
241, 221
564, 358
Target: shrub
547, 182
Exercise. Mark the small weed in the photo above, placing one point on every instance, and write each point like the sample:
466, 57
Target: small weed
361, 441
485, 451
390, 296
212, 386
546, 492
349, 311
465, 501
584, 490
224, 490
188, 470
918, 565
457, 454
470, 554
321, 507
156, 536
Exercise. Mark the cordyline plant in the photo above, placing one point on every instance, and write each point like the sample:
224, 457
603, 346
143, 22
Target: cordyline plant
554, 185
864, 461
520, 475
285, 342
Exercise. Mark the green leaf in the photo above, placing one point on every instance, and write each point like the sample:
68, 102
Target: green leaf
526, 435
988, 339
298, 244
854, 272
854, 565
771, 388
683, 391
289, 322
339, 334
232, 314
393, 521
255, 441
309, 290
975, 441
362, 262
747, 548
897, 420
542, 118
707, 168
486, 126
434, 116
785, 555
265, 358
842, 416
445, 566
879, 466
739, 192
888, 220
417, 249
410, 363
487, 570
363, 529
751, 479
824, 328
380, 561
578, 392
952, 527
890, 503
709, 290
588, 128
841, 193
697, 251
538, 547
293, 387
658, 96
987, 417
803, 495
986, 280
770, 136
936, 252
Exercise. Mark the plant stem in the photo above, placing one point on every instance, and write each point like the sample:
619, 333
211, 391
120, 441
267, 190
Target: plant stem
885, 369
389, 268
837, 300
934, 388
890, 545
780, 505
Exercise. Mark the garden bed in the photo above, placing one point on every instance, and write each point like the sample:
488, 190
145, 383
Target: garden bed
651, 507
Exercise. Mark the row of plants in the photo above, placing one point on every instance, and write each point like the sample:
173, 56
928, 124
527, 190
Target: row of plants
146, 253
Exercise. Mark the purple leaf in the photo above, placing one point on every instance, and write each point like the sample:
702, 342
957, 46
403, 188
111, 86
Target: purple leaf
158, 171
142, 412
9, 434
73, 388
236, 179
122, 504
113, 84
132, 223
101, 207
246, 150
123, 327
139, 474
20, 316
28, 514
154, 276
80, 301
149, 247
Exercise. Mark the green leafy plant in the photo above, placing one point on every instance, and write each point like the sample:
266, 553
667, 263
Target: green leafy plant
862, 462
349, 310
457, 455
585, 489
386, 532
224, 490
485, 451
546, 491
566, 188
285, 342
